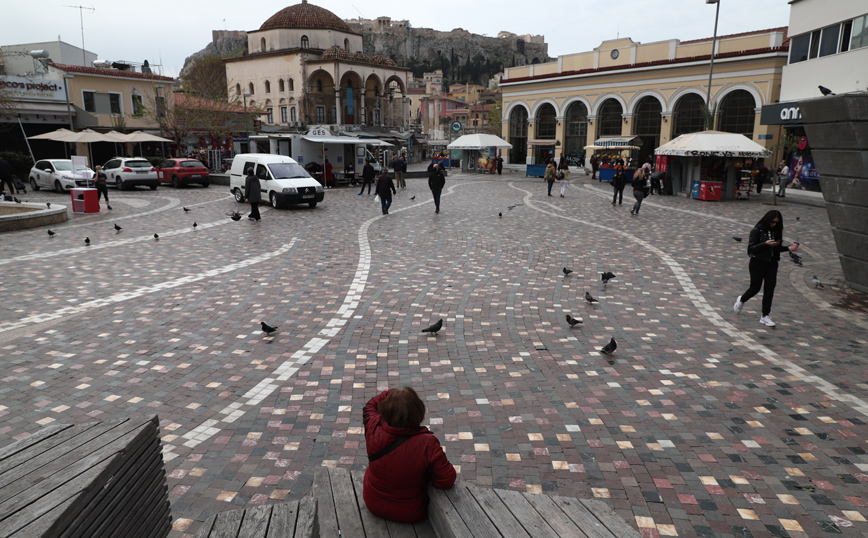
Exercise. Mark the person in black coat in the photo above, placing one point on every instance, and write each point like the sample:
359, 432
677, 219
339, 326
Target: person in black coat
385, 190
761, 178
6, 173
764, 248
253, 193
499, 165
436, 182
657, 181
619, 181
368, 175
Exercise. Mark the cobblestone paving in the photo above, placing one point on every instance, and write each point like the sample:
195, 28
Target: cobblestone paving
703, 423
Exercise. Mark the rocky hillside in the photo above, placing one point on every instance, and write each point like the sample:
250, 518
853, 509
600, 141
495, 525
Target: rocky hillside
225, 46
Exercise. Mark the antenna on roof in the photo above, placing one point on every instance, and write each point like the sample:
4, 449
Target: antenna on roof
362, 15
81, 15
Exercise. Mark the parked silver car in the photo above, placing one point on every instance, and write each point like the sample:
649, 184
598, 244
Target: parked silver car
57, 174
127, 172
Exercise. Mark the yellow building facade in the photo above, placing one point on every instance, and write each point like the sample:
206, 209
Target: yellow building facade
653, 92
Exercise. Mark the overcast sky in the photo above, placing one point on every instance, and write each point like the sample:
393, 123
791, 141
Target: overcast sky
166, 32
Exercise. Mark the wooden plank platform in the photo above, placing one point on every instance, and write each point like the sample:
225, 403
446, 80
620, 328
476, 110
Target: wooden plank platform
101, 479
297, 519
470, 512
342, 511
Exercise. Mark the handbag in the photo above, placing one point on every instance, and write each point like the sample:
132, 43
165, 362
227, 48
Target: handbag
560, 175
376, 198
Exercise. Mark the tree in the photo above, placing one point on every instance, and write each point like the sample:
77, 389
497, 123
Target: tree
495, 116
206, 77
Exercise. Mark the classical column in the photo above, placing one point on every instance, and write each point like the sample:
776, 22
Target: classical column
381, 109
561, 136
339, 109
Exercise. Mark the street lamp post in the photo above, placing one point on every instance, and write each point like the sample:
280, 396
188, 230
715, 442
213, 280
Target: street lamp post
711, 63
66, 79
246, 121
159, 108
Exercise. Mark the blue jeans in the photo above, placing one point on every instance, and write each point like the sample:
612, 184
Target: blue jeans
386, 201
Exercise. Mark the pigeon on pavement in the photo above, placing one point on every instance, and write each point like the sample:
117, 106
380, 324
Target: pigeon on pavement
590, 299
194, 224
434, 328
607, 276
50, 233
235, 215
48, 205
817, 283
117, 228
573, 321
267, 329
156, 236
567, 271
87, 240
413, 197
736, 239
186, 210
609, 348
500, 214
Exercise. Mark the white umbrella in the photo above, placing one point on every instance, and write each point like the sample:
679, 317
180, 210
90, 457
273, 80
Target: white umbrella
60, 135
479, 141
140, 136
713, 144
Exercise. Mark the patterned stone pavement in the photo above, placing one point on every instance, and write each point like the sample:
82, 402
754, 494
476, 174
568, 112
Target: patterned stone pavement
703, 423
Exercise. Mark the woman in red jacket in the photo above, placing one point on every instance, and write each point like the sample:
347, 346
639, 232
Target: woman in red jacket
402, 456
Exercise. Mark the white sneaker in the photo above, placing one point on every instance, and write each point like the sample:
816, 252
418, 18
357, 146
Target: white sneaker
767, 321
738, 305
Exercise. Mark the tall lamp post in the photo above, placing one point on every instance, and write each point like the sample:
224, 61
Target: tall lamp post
66, 79
159, 107
246, 121
711, 63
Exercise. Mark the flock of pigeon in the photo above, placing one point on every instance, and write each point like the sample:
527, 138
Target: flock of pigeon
609, 348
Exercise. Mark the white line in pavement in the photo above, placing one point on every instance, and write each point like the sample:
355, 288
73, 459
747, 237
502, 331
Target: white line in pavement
708, 311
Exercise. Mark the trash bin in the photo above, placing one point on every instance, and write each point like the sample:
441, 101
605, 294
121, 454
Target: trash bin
710, 190
694, 189
84, 200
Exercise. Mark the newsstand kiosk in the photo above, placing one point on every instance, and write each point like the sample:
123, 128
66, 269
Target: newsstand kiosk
84, 200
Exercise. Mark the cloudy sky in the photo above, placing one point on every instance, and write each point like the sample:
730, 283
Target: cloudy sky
166, 32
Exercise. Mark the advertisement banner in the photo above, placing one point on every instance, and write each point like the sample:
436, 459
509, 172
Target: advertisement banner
487, 159
32, 89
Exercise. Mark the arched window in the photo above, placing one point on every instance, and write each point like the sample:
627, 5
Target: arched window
304, 42
346, 44
262, 44
518, 135
292, 114
267, 86
646, 125
291, 85
238, 90
280, 85
609, 123
250, 89
687, 115
577, 129
318, 85
737, 113
546, 125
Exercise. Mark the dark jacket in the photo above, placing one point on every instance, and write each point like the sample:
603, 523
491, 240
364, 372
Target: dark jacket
385, 186
640, 184
620, 180
368, 172
436, 181
396, 164
252, 189
396, 484
757, 248
5, 169
99, 178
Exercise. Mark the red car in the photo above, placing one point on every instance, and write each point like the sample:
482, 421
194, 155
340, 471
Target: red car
182, 172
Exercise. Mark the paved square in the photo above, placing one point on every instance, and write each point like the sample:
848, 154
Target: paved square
703, 423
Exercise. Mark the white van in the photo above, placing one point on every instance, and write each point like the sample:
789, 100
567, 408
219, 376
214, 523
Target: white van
284, 182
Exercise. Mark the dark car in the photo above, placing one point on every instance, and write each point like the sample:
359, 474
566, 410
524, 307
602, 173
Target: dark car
182, 172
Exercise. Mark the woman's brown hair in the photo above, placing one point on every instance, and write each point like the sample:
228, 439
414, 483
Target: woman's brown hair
402, 408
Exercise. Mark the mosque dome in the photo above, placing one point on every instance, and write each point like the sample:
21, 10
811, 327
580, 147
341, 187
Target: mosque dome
306, 15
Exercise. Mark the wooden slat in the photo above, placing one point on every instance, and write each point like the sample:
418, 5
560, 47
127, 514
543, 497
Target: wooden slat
48, 450
374, 526
308, 521
399, 530
526, 514
580, 515
255, 522
41, 526
36, 437
498, 513
471, 512
322, 491
443, 514
610, 519
227, 524
554, 516
153, 513
147, 495
346, 507
283, 518
424, 529
205, 530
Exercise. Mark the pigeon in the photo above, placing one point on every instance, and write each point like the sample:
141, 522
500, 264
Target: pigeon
50, 233
590, 299
118, 228
434, 328
825, 91
798, 261
817, 283
736, 239
156, 236
797, 218
567, 271
186, 210
609, 348
194, 224
500, 214
607, 276
267, 329
17, 201
48, 205
87, 240
235, 215
573, 321
413, 197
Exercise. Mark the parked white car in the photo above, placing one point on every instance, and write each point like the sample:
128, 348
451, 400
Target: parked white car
57, 174
127, 172
282, 180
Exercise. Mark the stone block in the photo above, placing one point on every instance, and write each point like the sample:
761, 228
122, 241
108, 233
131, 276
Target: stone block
850, 218
838, 190
852, 245
847, 163
855, 273
841, 136
835, 108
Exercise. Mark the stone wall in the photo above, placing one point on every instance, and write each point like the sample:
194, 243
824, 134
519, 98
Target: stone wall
837, 128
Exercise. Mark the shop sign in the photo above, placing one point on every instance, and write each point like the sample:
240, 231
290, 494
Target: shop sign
781, 114
239, 138
32, 89
765, 136
319, 131
456, 126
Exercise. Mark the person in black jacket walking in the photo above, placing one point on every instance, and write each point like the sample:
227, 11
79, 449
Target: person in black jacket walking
99, 181
619, 181
253, 193
436, 182
385, 189
368, 175
640, 184
764, 248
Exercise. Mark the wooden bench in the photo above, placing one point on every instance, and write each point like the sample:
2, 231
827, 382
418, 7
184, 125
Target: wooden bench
342, 511
296, 519
102, 479
471, 512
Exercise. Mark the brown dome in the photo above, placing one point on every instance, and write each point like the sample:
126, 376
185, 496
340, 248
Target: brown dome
361, 57
306, 15
382, 59
336, 53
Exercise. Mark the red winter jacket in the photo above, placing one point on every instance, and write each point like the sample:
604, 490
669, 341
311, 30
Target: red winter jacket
396, 484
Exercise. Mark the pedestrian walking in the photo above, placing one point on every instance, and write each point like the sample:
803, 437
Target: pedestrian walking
564, 177
619, 181
549, 175
595, 164
764, 248
436, 182
762, 176
368, 175
640, 184
403, 182
253, 193
6, 173
783, 177
646, 174
396, 169
99, 181
499, 165
385, 189
657, 181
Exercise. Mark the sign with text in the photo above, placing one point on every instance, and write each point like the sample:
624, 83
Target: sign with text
32, 89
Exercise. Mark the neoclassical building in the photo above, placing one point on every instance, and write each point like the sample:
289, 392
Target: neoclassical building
305, 66
653, 91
